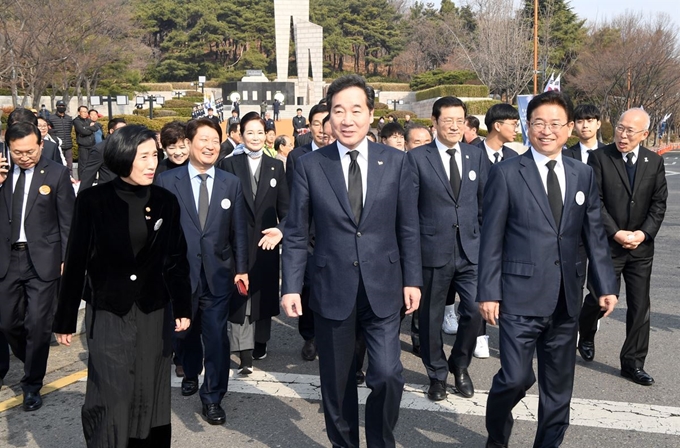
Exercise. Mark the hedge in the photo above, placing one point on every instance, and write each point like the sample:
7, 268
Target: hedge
464, 90
156, 112
391, 86
156, 86
441, 77
173, 104
480, 107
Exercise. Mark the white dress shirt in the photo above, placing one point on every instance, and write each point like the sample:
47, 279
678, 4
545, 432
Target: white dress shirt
362, 160
314, 146
541, 162
624, 155
490, 153
196, 182
584, 152
27, 186
446, 158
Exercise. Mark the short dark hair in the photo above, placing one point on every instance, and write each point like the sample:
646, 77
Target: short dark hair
234, 111
298, 110
371, 136
560, 99
115, 122
472, 122
391, 129
415, 127
347, 81
500, 112
233, 128
447, 101
325, 120
317, 109
80, 107
21, 129
22, 115
193, 125
251, 116
121, 150
211, 109
280, 140
173, 132
586, 112
93, 110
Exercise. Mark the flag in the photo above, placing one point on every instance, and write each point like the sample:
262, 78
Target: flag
553, 84
522, 103
549, 84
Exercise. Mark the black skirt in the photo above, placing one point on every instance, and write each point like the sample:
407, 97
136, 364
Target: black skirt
128, 383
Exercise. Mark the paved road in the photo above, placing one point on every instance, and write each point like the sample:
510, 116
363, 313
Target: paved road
279, 404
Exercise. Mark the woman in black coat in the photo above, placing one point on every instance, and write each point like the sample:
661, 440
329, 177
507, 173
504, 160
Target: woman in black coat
127, 246
265, 191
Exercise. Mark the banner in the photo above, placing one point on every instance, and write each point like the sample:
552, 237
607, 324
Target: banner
522, 104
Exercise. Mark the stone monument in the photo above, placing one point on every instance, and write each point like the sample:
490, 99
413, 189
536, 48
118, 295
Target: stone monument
308, 48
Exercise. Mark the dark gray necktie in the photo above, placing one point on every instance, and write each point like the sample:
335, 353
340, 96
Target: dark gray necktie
497, 157
354, 186
629, 160
554, 192
18, 205
454, 175
203, 202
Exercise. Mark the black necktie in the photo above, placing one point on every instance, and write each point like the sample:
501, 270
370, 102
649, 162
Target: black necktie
203, 202
454, 175
629, 160
18, 205
354, 186
554, 192
496, 157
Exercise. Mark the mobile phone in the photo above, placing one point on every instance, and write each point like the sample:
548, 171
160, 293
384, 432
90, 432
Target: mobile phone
4, 151
242, 289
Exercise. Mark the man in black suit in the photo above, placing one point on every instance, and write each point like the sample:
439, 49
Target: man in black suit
306, 322
449, 181
299, 122
537, 207
471, 130
501, 121
586, 124
360, 196
233, 139
85, 129
50, 150
632, 183
212, 117
96, 170
37, 198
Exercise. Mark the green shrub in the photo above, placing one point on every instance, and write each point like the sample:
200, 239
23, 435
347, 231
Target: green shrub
607, 132
156, 86
480, 107
465, 90
173, 104
440, 77
390, 86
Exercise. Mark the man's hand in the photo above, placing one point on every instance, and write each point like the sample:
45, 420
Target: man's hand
607, 304
292, 305
623, 237
411, 298
182, 324
64, 339
490, 311
62, 269
271, 238
243, 277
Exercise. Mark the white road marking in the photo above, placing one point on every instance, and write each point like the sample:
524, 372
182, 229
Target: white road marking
638, 417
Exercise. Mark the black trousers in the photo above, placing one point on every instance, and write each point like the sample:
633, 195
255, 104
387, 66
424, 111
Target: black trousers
553, 339
26, 315
83, 155
336, 341
306, 321
637, 273
4, 357
461, 275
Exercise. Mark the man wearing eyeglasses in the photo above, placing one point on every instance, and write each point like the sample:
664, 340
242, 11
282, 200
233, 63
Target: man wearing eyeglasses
536, 207
37, 200
632, 183
449, 180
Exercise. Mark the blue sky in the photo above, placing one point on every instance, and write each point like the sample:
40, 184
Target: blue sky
599, 10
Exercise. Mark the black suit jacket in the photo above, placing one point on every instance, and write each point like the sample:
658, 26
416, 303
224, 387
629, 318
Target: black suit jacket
226, 148
574, 151
268, 209
95, 164
641, 208
100, 255
293, 157
507, 153
47, 222
51, 151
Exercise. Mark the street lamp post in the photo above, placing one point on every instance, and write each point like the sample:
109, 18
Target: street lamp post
118, 99
395, 102
201, 84
150, 99
179, 94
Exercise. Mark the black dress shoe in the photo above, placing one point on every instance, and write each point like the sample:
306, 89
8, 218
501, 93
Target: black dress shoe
416, 349
586, 349
638, 376
437, 390
32, 401
309, 350
214, 414
360, 377
463, 381
189, 386
260, 350
179, 371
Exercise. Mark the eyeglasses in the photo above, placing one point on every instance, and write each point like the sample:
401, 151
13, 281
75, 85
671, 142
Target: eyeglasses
628, 131
541, 125
20, 154
450, 121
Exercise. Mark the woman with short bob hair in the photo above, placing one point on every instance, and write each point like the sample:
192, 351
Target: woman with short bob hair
127, 251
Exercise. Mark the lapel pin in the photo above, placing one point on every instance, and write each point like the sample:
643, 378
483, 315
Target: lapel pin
158, 224
646, 160
44, 190
472, 175
467, 156
380, 162
42, 171
272, 183
148, 209
148, 218
272, 168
